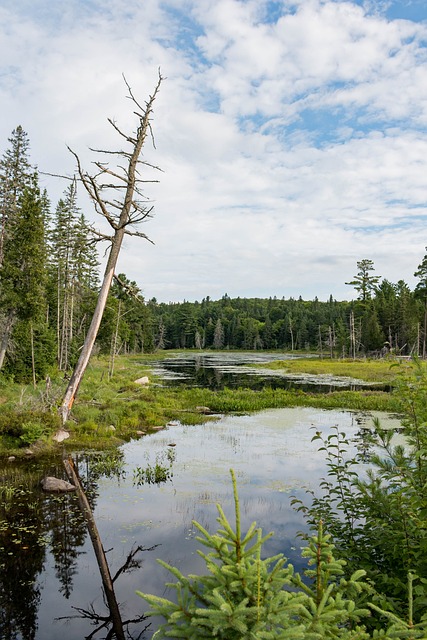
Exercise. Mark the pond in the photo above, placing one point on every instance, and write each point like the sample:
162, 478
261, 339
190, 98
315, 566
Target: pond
216, 370
48, 570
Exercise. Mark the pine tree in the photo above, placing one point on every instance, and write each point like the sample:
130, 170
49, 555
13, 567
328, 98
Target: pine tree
15, 175
245, 597
73, 274
421, 293
23, 272
365, 283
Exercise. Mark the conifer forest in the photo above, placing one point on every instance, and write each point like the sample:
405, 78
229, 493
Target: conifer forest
366, 570
50, 278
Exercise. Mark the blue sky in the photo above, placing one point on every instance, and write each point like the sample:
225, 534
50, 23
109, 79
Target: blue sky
292, 134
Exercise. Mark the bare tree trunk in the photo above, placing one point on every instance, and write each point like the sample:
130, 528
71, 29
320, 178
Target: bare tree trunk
131, 213
86, 351
4, 342
114, 343
33, 362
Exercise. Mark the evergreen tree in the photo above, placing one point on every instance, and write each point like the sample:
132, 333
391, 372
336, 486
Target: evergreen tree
15, 175
23, 272
421, 294
73, 275
365, 283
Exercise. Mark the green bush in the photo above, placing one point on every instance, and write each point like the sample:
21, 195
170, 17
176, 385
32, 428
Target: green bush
245, 597
32, 431
12, 422
377, 517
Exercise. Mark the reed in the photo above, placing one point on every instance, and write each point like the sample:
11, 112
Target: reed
109, 412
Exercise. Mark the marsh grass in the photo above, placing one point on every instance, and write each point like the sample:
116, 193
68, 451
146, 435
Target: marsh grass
109, 412
368, 370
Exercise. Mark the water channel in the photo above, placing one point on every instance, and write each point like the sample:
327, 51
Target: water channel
48, 569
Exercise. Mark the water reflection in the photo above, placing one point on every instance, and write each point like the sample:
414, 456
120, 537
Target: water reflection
221, 369
52, 568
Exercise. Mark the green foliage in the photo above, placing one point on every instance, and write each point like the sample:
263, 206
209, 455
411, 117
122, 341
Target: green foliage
21, 424
245, 597
158, 473
365, 283
32, 431
19, 363
377, 516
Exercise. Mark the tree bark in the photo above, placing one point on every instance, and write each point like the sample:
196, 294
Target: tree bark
128, 209
4, 342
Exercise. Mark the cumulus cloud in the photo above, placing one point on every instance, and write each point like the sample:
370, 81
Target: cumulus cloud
292, 136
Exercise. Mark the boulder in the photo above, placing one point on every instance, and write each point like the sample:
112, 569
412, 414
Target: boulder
203, 410
61, 435
143, 380
56, 485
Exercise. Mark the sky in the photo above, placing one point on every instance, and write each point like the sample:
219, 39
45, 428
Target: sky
291, 134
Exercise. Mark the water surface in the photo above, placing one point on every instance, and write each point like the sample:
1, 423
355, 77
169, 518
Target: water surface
52, 568
217, 370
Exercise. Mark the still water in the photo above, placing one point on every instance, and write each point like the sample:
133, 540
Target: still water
48, 567
216, 370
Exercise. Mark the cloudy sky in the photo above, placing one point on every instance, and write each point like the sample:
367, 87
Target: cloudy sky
292, 134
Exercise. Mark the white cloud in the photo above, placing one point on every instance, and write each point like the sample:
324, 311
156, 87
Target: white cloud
291, 148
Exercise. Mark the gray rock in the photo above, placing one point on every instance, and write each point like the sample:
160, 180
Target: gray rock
203, 410
61, 435
143, 380
56, 485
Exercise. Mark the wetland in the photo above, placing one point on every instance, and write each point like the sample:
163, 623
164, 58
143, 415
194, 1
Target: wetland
48, 571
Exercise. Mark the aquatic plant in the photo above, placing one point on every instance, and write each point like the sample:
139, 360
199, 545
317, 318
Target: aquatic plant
158, 473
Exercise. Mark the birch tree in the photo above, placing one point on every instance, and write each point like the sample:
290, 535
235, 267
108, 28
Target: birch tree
116, 194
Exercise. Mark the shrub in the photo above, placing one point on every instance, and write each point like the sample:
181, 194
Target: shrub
243, 597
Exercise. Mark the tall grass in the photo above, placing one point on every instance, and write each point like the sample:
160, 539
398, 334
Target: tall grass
367, 370
108, 412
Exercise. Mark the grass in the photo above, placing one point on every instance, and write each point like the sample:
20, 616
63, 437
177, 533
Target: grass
107, 413
377, 371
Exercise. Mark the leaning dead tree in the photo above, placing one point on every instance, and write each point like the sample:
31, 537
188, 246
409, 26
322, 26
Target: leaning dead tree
117, 196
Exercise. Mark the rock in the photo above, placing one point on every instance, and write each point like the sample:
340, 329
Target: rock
172, 444
143, 380
61, 435
111, 427
141, 433
11, 458
173, 423
56, 485
203, 410
157, 428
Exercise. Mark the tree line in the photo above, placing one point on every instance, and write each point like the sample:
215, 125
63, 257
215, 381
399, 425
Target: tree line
386, 317
50, 283
49, 277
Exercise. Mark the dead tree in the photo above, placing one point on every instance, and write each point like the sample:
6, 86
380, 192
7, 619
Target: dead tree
121, 212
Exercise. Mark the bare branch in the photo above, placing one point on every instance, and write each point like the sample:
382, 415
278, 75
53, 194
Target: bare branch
101, 236
57, 175
131, 212
126, 137
139, 234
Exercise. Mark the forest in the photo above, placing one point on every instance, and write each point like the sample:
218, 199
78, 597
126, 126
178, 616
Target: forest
50, 279
50, 282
